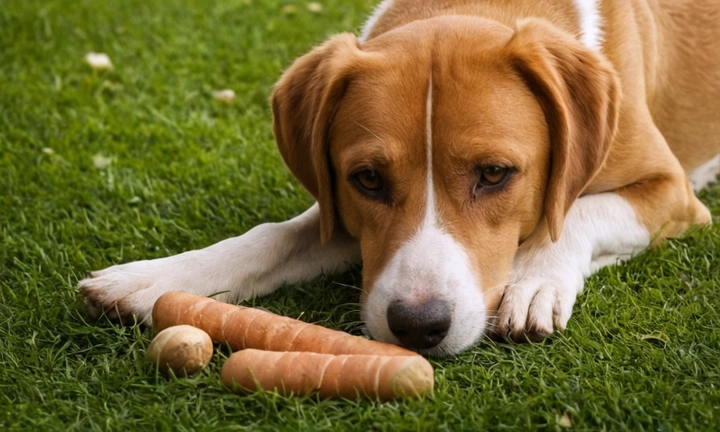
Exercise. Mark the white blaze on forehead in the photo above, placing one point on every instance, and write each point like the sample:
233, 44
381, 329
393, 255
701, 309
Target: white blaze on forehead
430, 265
591, 33
430, 216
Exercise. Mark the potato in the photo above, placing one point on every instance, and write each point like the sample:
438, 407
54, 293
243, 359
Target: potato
183, 349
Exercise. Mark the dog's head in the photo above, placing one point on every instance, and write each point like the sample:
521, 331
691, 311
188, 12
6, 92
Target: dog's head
441, 146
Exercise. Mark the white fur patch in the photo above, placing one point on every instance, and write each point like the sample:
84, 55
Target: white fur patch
591, 22
430, 265
547, 277
379, 10
705, 174
430, 213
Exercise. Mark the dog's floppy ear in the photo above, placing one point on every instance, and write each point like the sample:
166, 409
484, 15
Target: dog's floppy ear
580, 95
304, 102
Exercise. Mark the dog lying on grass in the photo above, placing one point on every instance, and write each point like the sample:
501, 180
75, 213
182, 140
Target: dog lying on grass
480, 158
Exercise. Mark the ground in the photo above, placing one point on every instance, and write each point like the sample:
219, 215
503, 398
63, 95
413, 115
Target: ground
103, 167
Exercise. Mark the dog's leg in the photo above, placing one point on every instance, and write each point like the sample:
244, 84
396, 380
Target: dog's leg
599, 230
252, 264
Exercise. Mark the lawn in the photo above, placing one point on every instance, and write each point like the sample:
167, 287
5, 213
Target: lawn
98, 168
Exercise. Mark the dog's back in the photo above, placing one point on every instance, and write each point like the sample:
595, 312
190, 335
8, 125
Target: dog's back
686, 99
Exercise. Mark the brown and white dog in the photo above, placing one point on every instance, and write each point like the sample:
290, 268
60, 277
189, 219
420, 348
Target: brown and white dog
480, 157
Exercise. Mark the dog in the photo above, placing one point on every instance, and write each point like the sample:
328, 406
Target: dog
480, 158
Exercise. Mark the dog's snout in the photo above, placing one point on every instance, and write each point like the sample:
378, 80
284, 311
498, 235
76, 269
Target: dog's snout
420, 326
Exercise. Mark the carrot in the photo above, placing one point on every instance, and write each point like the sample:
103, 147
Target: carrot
242, 327
349, 376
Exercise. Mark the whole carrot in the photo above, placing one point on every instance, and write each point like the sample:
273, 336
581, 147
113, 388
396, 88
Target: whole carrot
349, 376
242, 327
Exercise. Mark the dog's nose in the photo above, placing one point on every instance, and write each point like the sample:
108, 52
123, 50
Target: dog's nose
420, 326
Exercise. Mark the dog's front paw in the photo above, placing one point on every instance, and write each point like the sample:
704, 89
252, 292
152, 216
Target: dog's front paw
534, 307
126, 293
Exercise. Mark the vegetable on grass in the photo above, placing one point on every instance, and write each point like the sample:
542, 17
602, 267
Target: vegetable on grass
349, 376
293, 357
243, 327
183, 349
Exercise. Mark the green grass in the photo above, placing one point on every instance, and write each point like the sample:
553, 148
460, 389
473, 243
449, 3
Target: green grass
641, 352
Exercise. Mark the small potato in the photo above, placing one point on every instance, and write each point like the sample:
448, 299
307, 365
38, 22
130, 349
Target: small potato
184, 349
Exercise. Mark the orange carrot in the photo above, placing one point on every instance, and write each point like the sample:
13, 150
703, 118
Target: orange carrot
349, 376
242, 327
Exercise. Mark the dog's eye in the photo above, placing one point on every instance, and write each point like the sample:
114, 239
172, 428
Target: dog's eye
491, 177
368, 180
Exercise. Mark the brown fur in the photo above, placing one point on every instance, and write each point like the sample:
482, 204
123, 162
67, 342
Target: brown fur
511, 85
